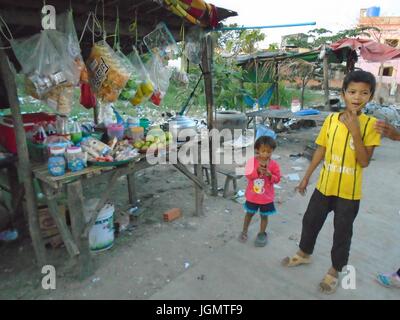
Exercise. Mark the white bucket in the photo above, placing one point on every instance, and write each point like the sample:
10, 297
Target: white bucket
101, 235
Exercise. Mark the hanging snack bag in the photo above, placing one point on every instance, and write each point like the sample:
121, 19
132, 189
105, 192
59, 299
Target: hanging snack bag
108, 73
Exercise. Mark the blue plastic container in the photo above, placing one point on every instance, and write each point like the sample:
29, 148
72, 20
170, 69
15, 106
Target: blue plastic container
373, 11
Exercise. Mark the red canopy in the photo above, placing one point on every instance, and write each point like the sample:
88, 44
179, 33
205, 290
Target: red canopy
369, 50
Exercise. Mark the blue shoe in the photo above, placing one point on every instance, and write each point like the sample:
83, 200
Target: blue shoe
261, 240
389, 280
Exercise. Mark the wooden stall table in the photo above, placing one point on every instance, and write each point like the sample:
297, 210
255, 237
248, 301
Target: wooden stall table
275, 115
77, 243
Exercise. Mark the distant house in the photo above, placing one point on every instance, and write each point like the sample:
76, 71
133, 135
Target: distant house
390, 35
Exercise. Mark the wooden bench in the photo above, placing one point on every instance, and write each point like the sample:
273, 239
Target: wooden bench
231, 176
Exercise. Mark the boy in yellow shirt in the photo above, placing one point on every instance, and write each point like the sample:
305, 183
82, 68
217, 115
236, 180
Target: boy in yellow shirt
346, 143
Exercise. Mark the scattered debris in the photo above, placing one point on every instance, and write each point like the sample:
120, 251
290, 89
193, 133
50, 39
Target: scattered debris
293, 177
134, 211
277, 186
9, 235
297, 155
121, 223
293, 237
95, 279
297, 168
187, 265
201, 277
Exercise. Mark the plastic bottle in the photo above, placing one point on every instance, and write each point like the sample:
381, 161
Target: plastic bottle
76, 132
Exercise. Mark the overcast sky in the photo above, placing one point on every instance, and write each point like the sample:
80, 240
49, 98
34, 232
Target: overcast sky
333, 15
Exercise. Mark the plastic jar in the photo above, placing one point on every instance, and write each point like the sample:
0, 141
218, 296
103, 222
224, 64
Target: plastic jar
115, 130
56, 162
76, 159
136, 133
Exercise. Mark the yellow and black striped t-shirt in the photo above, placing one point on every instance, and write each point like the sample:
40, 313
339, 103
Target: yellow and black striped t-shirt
341, 174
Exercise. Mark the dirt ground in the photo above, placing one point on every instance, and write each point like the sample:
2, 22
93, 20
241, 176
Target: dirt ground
151, 253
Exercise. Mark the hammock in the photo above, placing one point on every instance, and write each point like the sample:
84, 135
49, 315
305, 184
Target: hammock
263, 100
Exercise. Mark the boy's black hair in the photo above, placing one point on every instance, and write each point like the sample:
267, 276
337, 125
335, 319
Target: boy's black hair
265, 140
360, 76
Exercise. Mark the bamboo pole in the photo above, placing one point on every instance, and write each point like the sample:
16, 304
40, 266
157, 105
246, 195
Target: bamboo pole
326, 80
24, 166
207, 57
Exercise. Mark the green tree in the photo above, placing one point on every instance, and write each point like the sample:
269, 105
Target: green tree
239, 41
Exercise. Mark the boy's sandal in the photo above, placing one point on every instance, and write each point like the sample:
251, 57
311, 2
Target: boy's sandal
295, 261
328, 284
243, 237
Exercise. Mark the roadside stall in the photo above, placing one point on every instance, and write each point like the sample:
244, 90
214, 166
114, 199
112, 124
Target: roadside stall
63, 155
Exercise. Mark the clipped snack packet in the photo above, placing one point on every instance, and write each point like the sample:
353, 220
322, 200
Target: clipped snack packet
108, 73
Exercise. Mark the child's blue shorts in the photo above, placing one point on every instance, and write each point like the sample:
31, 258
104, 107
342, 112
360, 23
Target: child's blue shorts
265, 209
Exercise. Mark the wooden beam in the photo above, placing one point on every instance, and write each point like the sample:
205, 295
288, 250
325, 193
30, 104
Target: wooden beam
76, 212
24, 165
190, 175
61, 225
206, 62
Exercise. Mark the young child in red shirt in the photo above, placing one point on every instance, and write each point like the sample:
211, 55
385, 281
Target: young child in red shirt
262, 173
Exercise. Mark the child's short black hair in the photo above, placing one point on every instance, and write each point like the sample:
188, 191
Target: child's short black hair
360, 76
265, 140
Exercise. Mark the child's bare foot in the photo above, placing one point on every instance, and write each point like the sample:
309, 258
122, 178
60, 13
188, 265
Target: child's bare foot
243, 237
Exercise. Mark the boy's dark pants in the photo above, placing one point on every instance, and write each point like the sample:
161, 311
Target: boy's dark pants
314, 218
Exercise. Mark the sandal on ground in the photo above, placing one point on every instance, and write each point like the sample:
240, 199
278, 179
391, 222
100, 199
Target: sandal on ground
328, 284
388, 280
295, 261
261, 240
243, 237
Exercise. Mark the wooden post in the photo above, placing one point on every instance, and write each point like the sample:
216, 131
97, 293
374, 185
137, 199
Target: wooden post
24, 166
378, 90
132, 189
206, 61
75, 206
326, 80
199, 192
96, 113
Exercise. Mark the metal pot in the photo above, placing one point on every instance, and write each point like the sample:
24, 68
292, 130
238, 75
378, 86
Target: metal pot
230, 120
178, 123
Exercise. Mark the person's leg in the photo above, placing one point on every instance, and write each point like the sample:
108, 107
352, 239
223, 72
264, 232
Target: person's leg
398, 272
345, 214
246, 223
263, 223
313, 220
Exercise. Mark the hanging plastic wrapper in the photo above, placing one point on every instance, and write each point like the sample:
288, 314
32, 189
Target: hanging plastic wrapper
50, 71
108, 73
65, 24
106, 114
160, 76
192, 50
161, 42
139, 87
